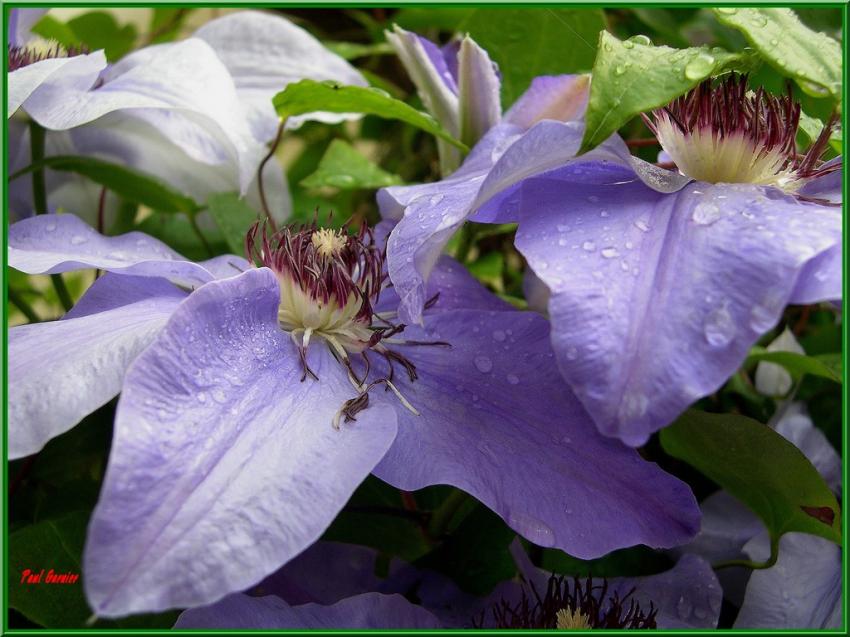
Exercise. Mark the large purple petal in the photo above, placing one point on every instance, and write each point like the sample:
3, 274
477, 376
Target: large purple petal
49, 244
802, 590
223, 464
61, 371
497, 422
370, 610
559, 97
656, 299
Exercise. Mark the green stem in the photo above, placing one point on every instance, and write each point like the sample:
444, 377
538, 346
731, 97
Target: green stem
774, 555
39, 192
194, 222
467, 240
443, 515
18, 301
39, 199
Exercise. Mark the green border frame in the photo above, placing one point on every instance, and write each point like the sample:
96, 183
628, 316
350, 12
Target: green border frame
332, 4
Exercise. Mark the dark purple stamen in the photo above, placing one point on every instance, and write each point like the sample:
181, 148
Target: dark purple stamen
21, 56
770, 122
592, 602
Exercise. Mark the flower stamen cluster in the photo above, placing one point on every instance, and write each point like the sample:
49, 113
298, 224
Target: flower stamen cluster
330, 283
723, 132
36, 51
570, 604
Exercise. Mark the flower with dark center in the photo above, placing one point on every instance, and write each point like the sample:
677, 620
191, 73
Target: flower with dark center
658, 285
723, 132
330, 283
218, 444
570, 604
21, 56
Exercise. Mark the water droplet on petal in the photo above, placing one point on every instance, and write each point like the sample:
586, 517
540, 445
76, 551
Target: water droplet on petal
499, 335
642, 225
706, 213
77, 239
588, 246
719, 328
513, 379
572, 353
684, 607
483, 364
50, 227
610, 253
563, 241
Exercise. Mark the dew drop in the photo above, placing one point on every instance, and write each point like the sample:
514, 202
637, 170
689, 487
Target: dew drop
706, 213
588, 246
610, 253
513, 379
436, 199
499, 335
642, 225
202, 397
619, 70
50, 227
483, 364
700, 66
563, 241
684, 607
603, 213
593, 198
572, 353
562, 227
641, 39
628, 44
77, 239
719, 328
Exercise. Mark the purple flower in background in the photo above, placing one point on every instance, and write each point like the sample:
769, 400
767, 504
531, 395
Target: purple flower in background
458, 84
328, 574
658, 287
225, 465
803, 589
195, 113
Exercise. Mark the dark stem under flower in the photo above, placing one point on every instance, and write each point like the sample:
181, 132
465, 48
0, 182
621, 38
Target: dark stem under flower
260, 186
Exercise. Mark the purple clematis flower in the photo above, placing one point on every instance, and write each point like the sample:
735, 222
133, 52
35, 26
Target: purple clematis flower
803, 589
687, 596
659, 285
225, 464
458, 84
196, 113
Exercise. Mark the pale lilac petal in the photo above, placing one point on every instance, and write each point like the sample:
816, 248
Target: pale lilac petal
21, 21
186, 78
60, 74
49, 244
125, 138
478, 92
223, 465
370, 610
821, 278
535, 292
827, 187
656, 299
559, 97
496, 422
428, 71
802, 590
772, 379
458, 290
263, 53
61, 371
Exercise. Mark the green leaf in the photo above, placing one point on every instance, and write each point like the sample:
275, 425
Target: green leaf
176, 230
476, 554
525, 44
354, 50
632, 76
52, 544
811, 58
166, 24
630, 562
50, 28
759, 467
308, 96
127, 183
811, 127
233, 216
100, 30
343, 167
797, 364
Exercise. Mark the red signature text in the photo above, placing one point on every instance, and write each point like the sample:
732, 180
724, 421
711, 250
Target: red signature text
29, 576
